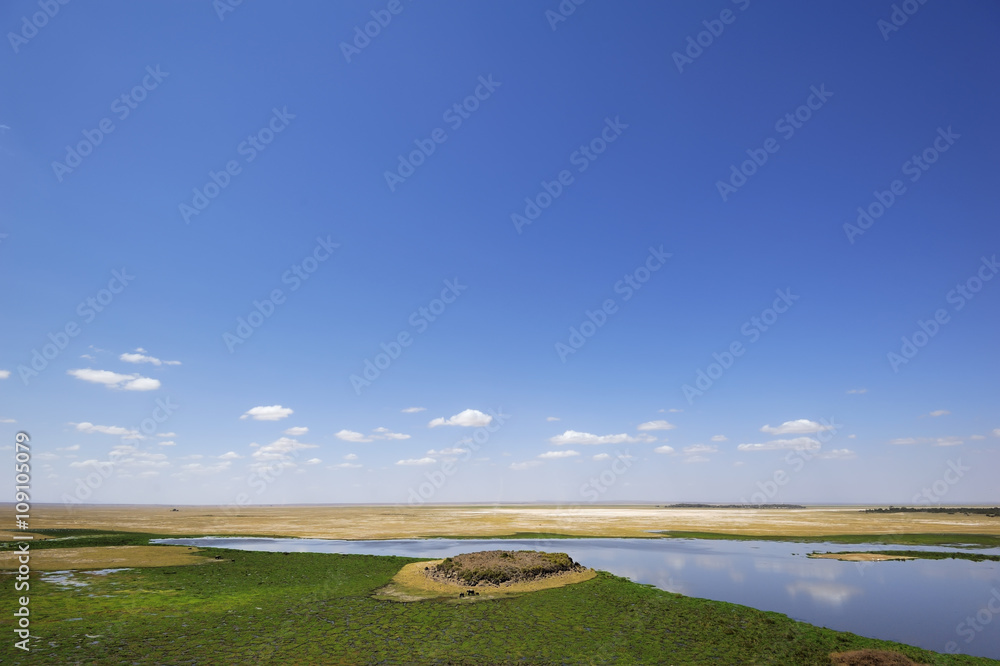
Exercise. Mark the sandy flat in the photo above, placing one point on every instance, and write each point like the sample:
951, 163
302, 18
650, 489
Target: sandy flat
396, 521
105, 557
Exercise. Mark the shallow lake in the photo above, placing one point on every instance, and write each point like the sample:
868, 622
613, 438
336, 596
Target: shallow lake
920, 602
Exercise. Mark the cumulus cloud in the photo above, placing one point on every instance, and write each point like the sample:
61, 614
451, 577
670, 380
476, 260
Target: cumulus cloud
413, 410
838, 454
581, 438
230, 455
297, 431
345, 465
701, 448
656, 425
795, 444
977, 437
551, 455
166, 434
90, 428
379, 433
269, 413
663, 449
115, 380
169, 442
4, 374
552, 418
417, 461
351, 456
141, 357
902, 441
313, 461
604, 456
451, 451
797, 427
719, 438
469, 418
947, 441
201, 468
281, 452
525, 465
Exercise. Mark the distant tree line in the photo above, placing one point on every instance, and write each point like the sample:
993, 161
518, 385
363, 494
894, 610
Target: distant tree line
990, 512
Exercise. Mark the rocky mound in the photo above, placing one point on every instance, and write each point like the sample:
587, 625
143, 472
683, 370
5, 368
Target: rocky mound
496, 567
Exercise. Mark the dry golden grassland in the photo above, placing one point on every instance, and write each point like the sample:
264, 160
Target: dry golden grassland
388, 522
106, 557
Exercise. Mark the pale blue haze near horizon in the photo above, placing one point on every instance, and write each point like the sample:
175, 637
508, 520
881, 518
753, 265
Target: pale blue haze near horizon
211, 82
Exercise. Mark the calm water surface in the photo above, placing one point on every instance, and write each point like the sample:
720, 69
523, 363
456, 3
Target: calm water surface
920, 602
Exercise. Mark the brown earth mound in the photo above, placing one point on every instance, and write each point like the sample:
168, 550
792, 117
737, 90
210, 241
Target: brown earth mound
496, 567
871, 658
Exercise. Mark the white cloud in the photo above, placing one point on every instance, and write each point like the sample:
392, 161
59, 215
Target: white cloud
230, 455
852, 436
797, 427
977, 437
838, 454
282, 451
604, 456
413, 410
297, 431
796, 444
75, 447
166, 434
696, 459
656, 425
469, 418
552, 418
351, 436
947, 441
90, 428
663, 449
345, 466
8, 421
574, 437
416, 461
451, 451
351, 456
169, 442
939, 412
385, 433
4, 374
199, 468
115, 380
701, 448
525, 465
550, 455
903, 441
313, 461
142, 358
269, 413
996, 432
719, 438
860, 390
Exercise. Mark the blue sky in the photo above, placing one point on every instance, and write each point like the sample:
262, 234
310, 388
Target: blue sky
178, 162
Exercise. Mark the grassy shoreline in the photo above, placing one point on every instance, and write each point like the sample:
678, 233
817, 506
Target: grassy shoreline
322, 608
